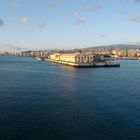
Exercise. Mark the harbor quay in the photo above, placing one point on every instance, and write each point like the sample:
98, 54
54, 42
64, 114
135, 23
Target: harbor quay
84, 65
81, 60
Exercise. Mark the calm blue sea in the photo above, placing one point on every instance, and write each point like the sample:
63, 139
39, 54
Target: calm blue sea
45, 101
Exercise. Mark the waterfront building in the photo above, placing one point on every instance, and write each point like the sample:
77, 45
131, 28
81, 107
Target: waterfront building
116, 51
77, 58
138, 54
55, 56
132, 53
87, 57
124, 53
69, 57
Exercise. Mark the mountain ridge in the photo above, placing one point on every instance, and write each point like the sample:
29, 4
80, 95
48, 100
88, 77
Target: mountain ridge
10, 48
117, 46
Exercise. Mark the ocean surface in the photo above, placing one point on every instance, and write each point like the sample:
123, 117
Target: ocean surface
45, 101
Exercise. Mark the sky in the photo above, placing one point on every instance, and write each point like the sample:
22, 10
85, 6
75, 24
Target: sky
68, 24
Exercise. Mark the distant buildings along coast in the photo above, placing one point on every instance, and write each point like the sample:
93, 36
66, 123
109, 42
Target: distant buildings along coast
80, 54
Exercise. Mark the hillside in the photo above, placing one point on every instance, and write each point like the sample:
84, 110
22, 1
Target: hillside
119, 46
10, 48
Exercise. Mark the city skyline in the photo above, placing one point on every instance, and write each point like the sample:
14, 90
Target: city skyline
69, 24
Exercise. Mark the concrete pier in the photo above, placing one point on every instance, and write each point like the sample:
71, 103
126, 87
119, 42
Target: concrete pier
83, 65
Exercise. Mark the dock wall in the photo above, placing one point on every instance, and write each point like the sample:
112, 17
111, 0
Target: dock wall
80, 65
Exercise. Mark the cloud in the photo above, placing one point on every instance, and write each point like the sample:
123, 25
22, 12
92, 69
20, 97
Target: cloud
41, 25
135, 18
134, 43
79, 18
136, 0
24, 20
14, 5
1, 22
103, 35
35, 27
54, 3
93, 8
